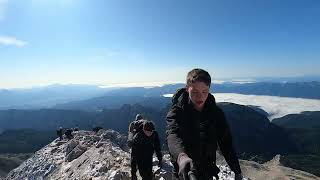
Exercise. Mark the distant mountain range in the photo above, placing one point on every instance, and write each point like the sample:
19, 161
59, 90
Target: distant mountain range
63, 95
29, 117
11, 161
254, 134
304, 128
271, 106
306, 120
246, 124
114, 102
47, 96
309, 90
24, 140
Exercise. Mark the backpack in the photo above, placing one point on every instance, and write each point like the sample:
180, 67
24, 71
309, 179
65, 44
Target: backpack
134, 128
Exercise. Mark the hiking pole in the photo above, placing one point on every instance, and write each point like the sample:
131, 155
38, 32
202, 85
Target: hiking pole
191, 176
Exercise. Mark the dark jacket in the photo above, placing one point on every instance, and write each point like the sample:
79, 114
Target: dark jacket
198, 134
59, 132
143, 146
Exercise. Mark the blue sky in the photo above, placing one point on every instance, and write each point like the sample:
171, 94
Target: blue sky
150, 41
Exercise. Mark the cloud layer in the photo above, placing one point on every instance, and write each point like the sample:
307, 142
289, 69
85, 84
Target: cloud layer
7, 40
275, 106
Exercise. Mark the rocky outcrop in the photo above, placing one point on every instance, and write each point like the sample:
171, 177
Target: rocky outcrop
270, 170
88, 155
105, 156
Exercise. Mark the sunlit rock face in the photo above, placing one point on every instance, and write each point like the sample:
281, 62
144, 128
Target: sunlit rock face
105, 156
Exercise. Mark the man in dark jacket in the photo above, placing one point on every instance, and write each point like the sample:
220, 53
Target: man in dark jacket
195, 127
132, 131
68, 133
60, 133
145, 142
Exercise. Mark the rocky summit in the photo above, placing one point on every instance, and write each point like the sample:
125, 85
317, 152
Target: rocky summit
105, 156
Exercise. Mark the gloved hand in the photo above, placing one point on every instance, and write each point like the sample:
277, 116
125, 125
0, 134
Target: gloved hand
238, 177
185, 165
134, 177
160, 164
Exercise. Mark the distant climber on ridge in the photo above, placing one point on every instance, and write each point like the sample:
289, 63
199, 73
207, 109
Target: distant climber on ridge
96, 129
60, 133
68, 134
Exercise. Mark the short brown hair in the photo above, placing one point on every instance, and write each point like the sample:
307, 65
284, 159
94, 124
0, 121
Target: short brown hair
199, 75
148, 126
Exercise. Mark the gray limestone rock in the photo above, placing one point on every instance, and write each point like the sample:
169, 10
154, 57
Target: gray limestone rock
106, 156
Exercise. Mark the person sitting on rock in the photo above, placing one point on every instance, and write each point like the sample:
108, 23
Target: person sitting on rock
60, 133
144, 143
96, 129
76, 128
68, 134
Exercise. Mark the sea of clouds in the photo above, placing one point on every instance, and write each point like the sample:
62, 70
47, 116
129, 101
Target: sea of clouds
275, 106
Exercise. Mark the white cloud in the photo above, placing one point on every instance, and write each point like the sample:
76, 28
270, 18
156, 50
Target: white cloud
275, 106
7, 40
168, 95
3, 7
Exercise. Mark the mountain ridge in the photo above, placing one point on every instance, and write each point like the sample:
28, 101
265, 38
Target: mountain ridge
105, 155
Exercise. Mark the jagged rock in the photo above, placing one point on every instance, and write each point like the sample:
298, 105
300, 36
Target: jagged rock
165, 171
71, 145
275, 161
116, 175
76, 152
100, 143
102, 155
105, 156
116, 138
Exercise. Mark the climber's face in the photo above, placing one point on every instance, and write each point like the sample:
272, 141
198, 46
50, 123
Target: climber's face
148, 133
198, 94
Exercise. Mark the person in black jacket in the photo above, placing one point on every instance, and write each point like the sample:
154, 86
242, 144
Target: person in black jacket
196, 126
132, 131
68, 133
144, 143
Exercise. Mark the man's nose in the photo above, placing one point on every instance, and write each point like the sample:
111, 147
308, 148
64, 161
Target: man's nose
200, 96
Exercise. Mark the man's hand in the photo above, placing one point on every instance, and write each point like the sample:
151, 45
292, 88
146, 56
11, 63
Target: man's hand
185, 165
